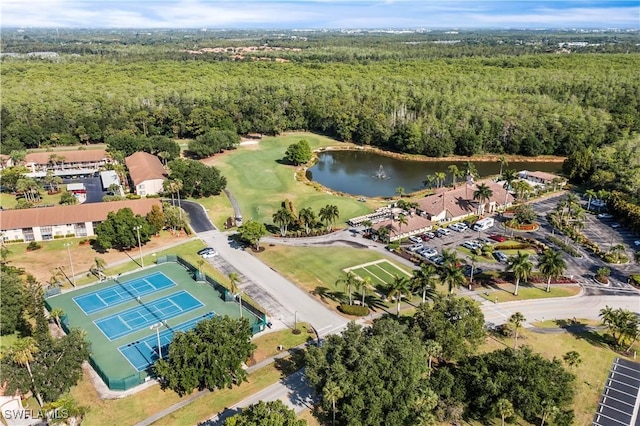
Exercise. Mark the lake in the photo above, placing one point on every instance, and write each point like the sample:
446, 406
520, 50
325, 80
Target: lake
354, 172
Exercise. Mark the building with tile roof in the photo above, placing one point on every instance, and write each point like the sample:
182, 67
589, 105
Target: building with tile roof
147, 173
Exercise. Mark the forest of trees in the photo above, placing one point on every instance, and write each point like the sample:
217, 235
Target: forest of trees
436, 104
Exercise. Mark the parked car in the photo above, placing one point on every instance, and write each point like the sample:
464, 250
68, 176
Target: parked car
415, 239
430, 234
438, 260
605, 216
458, 227
471, 245
467, 271
496, 237
204, 250
425, 237
208, 254
615, 225
427, 252
636, 243
501, 257
442, 232
415, 247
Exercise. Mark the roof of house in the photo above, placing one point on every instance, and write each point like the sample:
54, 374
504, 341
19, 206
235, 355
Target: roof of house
144, 166
414, 222
543, 175
79, 213
459, 200
79, 156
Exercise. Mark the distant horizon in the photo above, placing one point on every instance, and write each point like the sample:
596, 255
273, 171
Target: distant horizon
317, 15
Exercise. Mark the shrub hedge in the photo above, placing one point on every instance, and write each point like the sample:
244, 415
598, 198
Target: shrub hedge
353, 309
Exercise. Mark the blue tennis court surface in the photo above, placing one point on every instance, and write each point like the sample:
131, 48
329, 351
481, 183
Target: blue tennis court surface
143, 353
139, 317
122, 292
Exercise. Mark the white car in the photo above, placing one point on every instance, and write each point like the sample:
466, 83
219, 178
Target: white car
415, 239
636, 243
415, 247
209, 253
605, 216
427, 252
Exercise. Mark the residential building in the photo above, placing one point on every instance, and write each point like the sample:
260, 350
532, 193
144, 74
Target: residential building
146, 172
64, 163
109, 178
542, 178
451, 204
47, 223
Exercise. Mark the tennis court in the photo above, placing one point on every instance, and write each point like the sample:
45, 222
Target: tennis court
143, 353
139, 317
122, 292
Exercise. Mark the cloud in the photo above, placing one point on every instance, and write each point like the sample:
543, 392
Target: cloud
316, 13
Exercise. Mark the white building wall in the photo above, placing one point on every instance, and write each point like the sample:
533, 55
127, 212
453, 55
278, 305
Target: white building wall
150, 187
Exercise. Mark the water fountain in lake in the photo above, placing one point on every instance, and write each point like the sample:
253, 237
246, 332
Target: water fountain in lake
381, 174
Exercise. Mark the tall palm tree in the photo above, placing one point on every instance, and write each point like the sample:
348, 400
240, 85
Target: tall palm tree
329, 214
449, 257
333, 393
400, 191
452, 276
455, 173
57, 314
508, 176
283, 218
383, 234
552, 265
433, 350
616, 251
602, 195
349, 279
503, 162
402, 220
234, 279
474, 261
513, 224
482, 194
591, 194
441, 177
516, 320
428, 180
362, 286
398, 288
425, 280
522, 189
307, 218
23, 353
573, 202
521, 267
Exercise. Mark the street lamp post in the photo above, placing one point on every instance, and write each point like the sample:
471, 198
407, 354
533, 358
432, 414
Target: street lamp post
157, 326
73, 274
137, 228
295, 320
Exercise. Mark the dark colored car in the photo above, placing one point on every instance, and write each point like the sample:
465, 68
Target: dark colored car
204, 250
498, 238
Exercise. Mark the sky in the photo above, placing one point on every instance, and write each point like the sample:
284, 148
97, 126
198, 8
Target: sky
316, 14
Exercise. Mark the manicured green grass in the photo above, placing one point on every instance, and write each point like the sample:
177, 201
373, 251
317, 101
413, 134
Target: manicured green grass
218, 208
390, 268
486, 259
9, 201
260, 181
375, 279
505, 292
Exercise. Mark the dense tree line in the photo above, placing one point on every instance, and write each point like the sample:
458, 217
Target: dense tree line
531, 104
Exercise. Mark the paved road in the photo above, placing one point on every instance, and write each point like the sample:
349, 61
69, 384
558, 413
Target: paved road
198, 217
234, 203
291, 298
293, 391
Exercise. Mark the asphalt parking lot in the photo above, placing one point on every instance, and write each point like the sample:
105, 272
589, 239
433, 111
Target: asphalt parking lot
600, 232
94, 188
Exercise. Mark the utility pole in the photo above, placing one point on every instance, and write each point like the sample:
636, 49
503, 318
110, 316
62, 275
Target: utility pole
137, 228
156, 327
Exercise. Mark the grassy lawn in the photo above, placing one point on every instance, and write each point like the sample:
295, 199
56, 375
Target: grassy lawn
7, 341
590, 374
267, 344
9, 201
260, 182
218, 208
505, 292
132, 409
485, 259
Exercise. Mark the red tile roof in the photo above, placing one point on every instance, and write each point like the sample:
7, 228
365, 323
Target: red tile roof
79, 156
62, 215
144, 166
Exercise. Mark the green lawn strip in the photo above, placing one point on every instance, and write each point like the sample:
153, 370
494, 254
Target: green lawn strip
267, 343
505, 293
218, 208
363, 273
515, 252
260, 182
556, 323
9, 201
590, 374
392, 268
485, 259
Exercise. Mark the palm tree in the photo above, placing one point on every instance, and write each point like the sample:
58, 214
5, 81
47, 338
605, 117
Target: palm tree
449, 257
455, 173
508, 176
616, 251
474, 260
572, 358
552, 265
425, 279
469, 170
23, 353
602, 195
522, 189
482, 194
556, 181
283, 218
234, 279
503, 162
513, 223
329, 214
383, 234
573, 202
400, 191
554, 220
349, 280
362, 286
402, 220
505, 409
521, 267
57, 314
333, 393
441, 176
307, 218
397, 288
452, 276
433, 350
516, 320
591, 194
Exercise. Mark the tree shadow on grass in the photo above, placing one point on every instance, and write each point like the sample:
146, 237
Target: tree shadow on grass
290, 364
325, 294
584, 332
